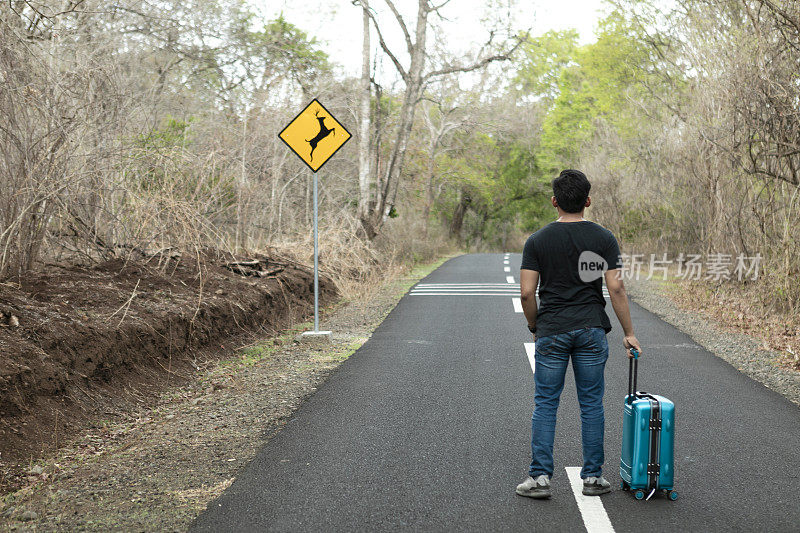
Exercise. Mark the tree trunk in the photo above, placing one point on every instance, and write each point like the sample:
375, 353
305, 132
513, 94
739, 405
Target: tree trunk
412, 93
430, 173
415, 79
364, 133
381, 210
458, 215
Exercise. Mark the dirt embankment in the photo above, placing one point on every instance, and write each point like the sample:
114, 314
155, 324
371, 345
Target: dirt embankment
158, 467
78, 343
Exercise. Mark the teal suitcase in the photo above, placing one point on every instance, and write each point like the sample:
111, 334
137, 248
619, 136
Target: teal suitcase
648, 440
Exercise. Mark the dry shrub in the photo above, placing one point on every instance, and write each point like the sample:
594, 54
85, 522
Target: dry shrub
58, 110
718, 171
349, 260
405, 240
741, 308
120, 138
359, 266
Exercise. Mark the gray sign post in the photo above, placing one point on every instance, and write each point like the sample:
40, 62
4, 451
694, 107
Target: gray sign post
315, 135
316, 334
316, 257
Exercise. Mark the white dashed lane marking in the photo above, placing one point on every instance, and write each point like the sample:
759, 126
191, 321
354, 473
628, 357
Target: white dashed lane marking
530, 351
506, 269
594, 514
510, 279
517, 304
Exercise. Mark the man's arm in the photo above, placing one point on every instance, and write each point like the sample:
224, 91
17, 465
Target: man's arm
528, 281
619, 301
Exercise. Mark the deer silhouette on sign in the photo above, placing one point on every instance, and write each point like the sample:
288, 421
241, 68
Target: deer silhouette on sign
323, 132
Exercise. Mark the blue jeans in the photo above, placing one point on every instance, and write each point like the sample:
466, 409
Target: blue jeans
589, 350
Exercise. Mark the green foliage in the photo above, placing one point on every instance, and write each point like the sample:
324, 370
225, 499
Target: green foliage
568, 125
526, 195
468, 170
499, 181
155, 150
249, 55
505, 177
172, 133
597, 82
544, 59
290, 48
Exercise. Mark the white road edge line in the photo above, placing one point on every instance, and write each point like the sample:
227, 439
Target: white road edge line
510, 279
517, 304
594, 514
530, 350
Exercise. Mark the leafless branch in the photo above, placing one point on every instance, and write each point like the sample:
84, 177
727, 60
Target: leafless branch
436, 8
402, 23
504, 56
386, 49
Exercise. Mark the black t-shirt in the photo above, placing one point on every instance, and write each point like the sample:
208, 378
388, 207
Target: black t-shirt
570, 258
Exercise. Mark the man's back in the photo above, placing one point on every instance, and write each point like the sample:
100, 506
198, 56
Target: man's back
569, 259
568, 302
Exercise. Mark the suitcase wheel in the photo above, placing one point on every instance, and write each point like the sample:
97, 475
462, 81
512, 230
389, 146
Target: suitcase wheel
639, 494
673, 495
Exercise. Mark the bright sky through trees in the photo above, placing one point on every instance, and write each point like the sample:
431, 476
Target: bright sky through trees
337, 23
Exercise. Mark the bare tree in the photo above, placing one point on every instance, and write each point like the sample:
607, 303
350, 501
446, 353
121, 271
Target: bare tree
441, 119
131, 127
416, 80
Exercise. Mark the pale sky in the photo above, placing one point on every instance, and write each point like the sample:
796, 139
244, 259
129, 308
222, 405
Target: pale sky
337, 23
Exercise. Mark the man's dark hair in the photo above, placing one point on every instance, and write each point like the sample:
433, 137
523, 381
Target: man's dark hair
571, 189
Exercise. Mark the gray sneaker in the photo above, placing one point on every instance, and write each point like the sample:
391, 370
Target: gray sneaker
538, 487
595, 486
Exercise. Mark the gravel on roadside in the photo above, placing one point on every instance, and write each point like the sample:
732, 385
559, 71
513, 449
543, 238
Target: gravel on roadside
157, 470
743, 351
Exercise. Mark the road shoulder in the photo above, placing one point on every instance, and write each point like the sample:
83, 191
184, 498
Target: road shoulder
744, 352
159, 469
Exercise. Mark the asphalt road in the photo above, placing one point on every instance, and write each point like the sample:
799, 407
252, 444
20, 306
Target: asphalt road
427, 427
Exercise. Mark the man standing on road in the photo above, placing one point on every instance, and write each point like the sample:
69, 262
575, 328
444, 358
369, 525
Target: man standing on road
570, 257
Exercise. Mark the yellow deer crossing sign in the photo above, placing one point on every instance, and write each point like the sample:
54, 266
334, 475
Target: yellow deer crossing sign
314, 135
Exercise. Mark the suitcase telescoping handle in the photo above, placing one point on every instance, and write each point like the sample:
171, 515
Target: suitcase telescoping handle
633, 370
